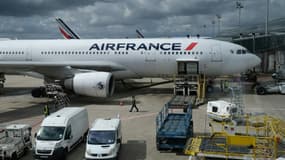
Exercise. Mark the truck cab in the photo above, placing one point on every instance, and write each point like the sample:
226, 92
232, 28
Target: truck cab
104, 139
15, 140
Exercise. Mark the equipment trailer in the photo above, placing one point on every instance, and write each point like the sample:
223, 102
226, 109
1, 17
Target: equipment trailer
173, 127
15, 140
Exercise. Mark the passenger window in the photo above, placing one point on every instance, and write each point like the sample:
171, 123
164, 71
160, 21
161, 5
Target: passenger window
215, 109
68, 132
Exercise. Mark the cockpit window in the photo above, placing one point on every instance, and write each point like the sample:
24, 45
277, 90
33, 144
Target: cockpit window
241, 51
238, 51
232, 51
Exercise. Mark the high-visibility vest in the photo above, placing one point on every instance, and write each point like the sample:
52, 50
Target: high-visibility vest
46, 110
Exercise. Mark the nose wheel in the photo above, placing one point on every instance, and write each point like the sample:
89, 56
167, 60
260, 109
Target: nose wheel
2, 81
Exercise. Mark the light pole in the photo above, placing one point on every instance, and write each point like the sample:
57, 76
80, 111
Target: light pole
219, 23
267, 17
213, 23
239, 6
253, 42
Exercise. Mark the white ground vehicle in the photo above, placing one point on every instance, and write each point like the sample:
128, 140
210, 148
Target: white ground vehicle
15, 140
104, 139
60, 133
222, 110
271, 87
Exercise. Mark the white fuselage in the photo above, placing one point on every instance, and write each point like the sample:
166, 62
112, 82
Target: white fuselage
137, 57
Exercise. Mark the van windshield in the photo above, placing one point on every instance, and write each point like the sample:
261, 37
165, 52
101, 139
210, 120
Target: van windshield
50, 133
101, 137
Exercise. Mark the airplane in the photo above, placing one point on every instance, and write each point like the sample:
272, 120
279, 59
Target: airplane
89, 67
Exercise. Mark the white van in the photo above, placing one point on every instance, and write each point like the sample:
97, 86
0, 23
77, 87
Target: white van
104, 139
60, 133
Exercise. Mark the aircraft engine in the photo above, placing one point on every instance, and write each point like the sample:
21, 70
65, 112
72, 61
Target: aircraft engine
94, 84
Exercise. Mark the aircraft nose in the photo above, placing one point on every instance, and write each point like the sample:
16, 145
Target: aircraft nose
254, 60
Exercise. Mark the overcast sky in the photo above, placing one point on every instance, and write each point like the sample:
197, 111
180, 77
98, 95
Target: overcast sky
120, 18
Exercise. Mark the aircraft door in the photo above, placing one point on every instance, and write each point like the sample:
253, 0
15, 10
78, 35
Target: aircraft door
216, 54
150, 62
28, 54
150, 57
188, 67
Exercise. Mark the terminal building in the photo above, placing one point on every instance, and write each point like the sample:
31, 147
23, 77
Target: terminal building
270, 48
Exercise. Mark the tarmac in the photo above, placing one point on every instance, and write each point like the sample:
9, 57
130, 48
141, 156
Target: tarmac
138, 128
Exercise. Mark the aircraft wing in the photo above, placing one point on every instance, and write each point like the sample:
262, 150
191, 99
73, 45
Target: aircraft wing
58, 70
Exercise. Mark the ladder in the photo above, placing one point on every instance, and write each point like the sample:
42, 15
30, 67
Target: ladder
56, 92
237, 97
61, 100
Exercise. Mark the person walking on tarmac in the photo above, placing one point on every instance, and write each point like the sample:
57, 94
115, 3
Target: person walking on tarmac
46, 110
134, 104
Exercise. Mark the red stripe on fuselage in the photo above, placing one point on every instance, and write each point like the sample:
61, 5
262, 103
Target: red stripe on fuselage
191, 46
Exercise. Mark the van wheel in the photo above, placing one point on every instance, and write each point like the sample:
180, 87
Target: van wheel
14, 156
64, 153
260, 91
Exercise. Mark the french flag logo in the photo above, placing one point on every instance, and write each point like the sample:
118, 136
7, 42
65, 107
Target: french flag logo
191, 46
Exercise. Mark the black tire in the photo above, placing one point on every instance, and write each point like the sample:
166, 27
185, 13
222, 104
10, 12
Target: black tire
36, 93
260, 91
14, 156
65, 154
39, 92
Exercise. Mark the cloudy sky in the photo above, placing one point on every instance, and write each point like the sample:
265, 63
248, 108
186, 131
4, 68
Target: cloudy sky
120, 18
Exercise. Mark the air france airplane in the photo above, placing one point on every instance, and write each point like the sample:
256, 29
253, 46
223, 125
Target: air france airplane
89, 67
